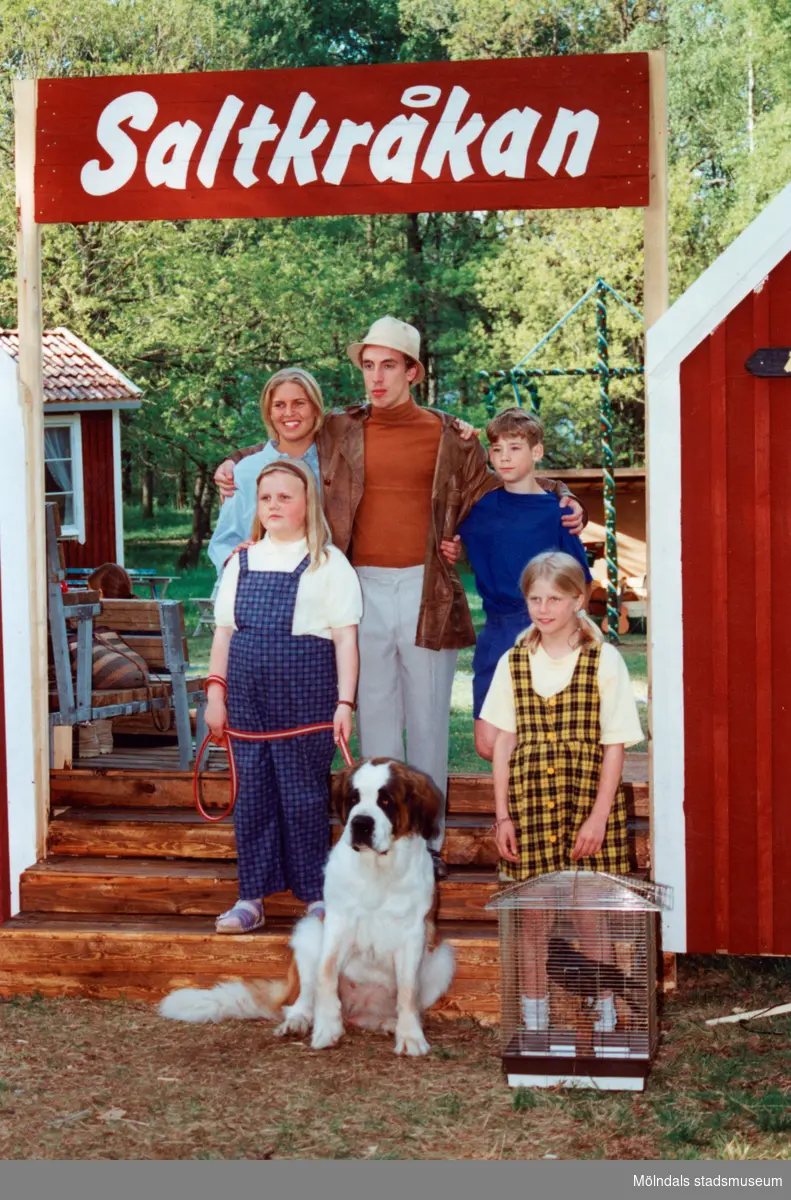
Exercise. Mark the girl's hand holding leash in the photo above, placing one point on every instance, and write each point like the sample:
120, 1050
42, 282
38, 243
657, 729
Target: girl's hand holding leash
590, 836
505, 836
342, 723
216, 711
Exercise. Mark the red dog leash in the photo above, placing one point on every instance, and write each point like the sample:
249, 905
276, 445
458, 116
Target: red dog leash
231, 735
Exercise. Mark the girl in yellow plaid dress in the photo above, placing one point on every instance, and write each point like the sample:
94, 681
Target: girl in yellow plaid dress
562, 702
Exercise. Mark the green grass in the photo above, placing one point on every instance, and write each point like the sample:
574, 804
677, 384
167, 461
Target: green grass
157, 543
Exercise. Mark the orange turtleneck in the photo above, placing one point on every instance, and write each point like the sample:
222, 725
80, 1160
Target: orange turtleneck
392, 519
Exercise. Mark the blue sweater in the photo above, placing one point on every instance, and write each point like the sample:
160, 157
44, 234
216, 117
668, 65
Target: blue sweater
502, 533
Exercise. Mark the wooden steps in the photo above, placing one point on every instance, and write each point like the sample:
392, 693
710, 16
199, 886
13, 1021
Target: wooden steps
136, 958
181, 833
69, 884
103, 787
124, 903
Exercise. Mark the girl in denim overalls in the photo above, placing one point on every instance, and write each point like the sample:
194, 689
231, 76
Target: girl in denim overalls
286, 643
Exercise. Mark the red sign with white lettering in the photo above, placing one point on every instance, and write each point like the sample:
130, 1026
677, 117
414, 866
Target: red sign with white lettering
567, 132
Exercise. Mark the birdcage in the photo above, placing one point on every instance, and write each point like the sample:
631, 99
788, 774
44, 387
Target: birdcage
578, 979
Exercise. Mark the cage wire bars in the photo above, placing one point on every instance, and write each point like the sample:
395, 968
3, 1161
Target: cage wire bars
520, 377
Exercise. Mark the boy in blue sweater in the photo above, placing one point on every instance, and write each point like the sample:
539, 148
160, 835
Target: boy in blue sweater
504, 530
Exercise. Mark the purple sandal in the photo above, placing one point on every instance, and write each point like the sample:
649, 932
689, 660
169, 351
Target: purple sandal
244, 917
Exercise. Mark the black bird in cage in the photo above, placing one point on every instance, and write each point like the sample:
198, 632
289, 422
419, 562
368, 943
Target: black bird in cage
586, 977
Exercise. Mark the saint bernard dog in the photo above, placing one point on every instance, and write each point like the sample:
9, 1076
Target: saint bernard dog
370, 962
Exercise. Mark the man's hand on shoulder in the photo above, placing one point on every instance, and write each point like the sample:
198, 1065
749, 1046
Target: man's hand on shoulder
465, 430
450, 549
223, 477
574, 516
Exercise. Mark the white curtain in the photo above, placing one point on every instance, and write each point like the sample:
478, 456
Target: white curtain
57, 455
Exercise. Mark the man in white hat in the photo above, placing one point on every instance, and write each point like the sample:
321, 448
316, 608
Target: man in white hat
397, 478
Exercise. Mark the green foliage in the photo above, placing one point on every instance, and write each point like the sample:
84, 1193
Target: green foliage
199, 313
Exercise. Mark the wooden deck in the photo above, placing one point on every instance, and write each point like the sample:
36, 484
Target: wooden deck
125, 900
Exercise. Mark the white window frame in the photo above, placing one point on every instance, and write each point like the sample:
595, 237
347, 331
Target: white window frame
72, 421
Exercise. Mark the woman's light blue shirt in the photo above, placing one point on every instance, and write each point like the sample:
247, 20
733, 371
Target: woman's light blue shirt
235, 520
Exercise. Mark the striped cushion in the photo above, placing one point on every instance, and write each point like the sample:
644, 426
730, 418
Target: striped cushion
114, 665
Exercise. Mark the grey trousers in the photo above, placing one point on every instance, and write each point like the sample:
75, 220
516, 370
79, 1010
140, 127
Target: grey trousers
403, 687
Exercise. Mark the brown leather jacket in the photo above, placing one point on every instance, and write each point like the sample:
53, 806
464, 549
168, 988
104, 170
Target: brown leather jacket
461, 477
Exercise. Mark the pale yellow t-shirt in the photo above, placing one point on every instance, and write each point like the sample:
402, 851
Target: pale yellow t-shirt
620, 724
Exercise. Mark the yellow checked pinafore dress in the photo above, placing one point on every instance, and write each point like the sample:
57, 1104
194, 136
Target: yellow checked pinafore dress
554, 773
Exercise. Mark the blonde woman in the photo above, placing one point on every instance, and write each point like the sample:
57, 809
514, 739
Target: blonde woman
292, 408
284, 654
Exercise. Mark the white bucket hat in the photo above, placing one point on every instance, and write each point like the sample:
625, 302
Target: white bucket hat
394, 335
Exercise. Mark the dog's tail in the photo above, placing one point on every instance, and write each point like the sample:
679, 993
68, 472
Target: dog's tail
436, 974
252, 1001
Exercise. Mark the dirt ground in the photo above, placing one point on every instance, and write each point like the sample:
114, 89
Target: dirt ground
82, 1079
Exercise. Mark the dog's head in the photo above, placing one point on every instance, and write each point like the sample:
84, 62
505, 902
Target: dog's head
380, 801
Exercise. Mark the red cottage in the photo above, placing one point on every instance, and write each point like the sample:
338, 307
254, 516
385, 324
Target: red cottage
83, 399
719, 425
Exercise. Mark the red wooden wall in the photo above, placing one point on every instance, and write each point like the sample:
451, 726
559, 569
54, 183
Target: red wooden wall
5, 872
736, 558
98, 493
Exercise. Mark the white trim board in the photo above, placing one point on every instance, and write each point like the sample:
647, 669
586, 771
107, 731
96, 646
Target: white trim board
738, 271
666, 633
17, 560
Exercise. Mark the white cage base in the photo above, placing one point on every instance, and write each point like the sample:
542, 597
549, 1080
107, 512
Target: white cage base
604, 1083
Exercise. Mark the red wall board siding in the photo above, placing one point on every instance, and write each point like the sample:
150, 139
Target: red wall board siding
698, 599
98, 494
218, 170
779, 391
736, 528
762, 623
5, 870
739, 605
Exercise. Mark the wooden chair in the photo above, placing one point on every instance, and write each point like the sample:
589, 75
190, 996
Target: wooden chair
153, 628
205, 615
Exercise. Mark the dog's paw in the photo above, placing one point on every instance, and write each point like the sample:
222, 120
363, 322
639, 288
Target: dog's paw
296, 1023
325, 1034
413, 1043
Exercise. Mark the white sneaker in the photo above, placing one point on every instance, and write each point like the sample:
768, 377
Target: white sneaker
535, 1014
607, 1016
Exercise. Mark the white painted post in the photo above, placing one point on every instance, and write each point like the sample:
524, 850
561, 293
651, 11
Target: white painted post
15, 563
30, 571
661, 652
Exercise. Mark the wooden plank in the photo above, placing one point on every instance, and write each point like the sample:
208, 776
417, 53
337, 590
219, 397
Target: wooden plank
607, 93
719, 682
173, 789
31, 385
78, 598
98, 489
134, 695
114, 958
195, 887
62, 741
151, 647
698, 596
655, 215
779, 663
465, 999
743, 666
178, 833
130, 615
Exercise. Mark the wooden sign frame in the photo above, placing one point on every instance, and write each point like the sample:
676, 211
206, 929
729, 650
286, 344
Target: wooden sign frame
444, 193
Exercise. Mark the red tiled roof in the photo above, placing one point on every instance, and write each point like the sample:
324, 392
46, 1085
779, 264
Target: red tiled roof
73, 372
